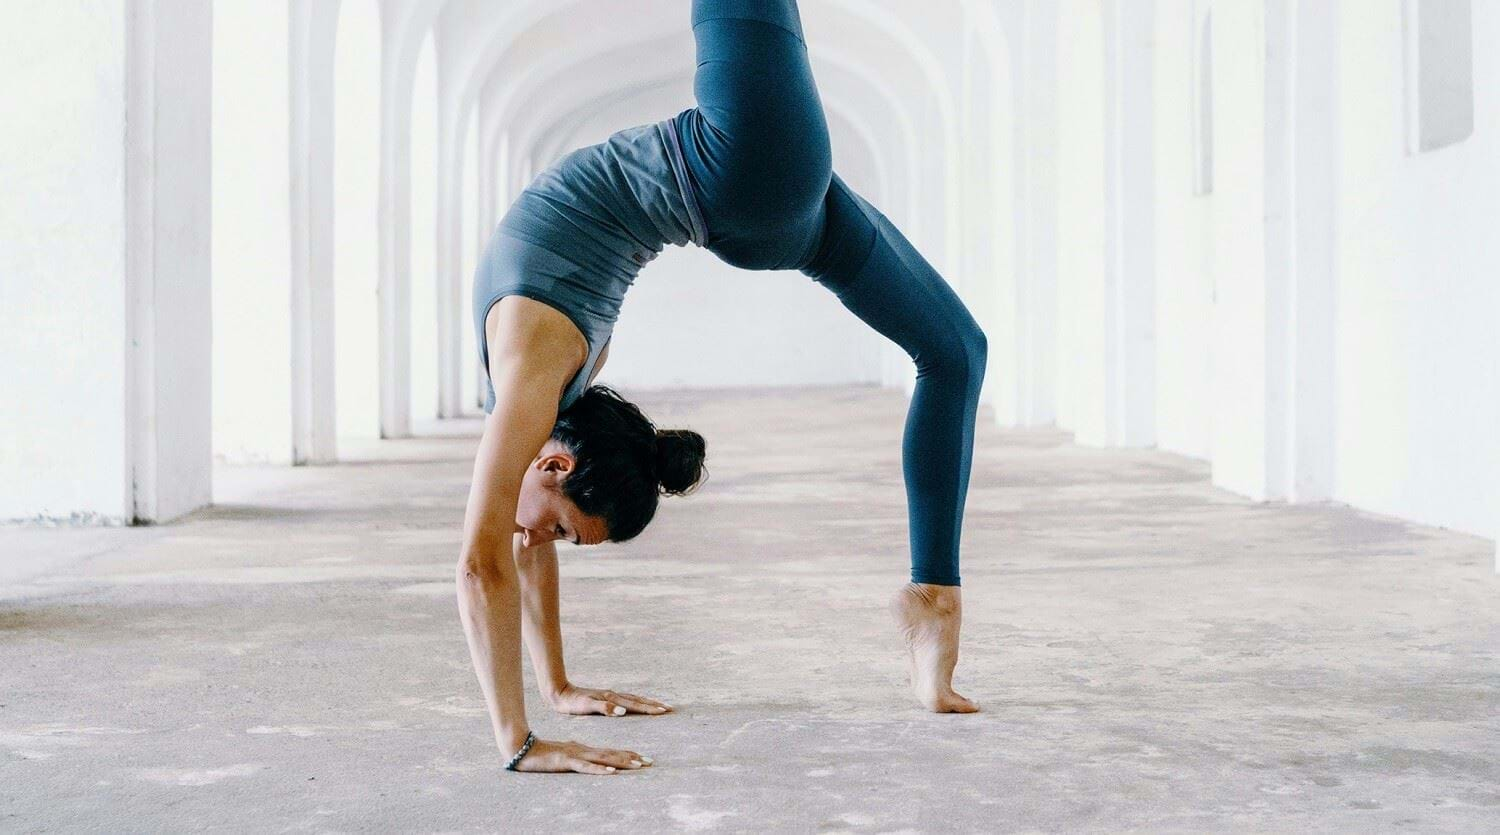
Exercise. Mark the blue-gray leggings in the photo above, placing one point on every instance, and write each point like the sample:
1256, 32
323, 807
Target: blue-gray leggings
756, 149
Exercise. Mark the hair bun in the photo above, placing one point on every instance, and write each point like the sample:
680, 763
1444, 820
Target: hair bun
679, 460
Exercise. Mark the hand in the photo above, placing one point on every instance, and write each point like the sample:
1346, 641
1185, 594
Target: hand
581, 701
550, 756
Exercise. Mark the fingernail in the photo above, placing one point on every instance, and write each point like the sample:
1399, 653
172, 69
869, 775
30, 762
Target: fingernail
635, 763
619, 711
609, 768
647, 760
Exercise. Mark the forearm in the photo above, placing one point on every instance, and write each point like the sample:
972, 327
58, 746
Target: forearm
489, 596
541, 624
489, 605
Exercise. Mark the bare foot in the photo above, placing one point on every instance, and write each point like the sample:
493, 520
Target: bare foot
928, 617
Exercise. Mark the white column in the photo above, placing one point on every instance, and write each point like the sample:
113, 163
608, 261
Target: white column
396, 79
1083, 214
1274, 249
313, 29
1129, 265
252, 224
1036, 259
105, 416
1242, 123
1314, 383
168, 204
450, 137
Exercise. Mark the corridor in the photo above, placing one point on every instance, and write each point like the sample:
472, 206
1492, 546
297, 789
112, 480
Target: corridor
1149, 651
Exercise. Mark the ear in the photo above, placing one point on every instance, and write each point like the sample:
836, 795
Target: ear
558, 462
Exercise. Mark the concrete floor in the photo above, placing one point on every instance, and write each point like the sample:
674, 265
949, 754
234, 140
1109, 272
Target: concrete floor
1150, 652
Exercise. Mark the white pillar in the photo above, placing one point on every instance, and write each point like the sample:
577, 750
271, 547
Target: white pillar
1036, 258
449, 238
1083, 303
313, 30
105, 416
1314, 381
1129, 264
991, 186
396, 78
251, 229
1274, 249
168, 186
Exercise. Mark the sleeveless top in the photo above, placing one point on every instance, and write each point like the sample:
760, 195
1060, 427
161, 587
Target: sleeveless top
576, 238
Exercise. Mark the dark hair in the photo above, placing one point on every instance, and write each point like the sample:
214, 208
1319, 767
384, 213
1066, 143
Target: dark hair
624, 463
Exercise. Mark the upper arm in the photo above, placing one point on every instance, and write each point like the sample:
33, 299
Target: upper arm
529, 365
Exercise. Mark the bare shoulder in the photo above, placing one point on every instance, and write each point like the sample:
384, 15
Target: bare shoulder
522, 330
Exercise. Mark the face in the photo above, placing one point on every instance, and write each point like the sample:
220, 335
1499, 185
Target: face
543, 513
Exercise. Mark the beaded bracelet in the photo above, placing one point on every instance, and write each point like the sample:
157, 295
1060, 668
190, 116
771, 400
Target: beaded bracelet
525, 746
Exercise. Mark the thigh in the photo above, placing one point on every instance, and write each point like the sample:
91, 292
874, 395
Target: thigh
756, 145
881, 277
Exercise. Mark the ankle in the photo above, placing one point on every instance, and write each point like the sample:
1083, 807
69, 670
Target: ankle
942, 600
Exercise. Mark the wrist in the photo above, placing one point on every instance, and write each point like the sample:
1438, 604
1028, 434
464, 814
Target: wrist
553, 690
510, 740
515, 759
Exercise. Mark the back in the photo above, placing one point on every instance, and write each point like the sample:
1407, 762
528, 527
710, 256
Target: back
579, 234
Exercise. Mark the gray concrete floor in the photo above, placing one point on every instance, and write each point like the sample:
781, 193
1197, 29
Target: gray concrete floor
1150, 652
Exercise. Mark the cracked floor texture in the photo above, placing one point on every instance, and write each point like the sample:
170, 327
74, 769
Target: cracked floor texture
1150, 652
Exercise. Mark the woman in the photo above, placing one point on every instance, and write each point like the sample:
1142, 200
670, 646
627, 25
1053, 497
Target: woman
746, 174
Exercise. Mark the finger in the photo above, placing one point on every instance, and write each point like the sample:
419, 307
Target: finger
618, 759
608, 708
641, 704
585, 767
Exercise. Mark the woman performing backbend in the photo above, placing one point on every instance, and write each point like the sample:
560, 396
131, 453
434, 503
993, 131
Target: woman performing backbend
746, 174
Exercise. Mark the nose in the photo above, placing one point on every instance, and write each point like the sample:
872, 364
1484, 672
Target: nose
530, 537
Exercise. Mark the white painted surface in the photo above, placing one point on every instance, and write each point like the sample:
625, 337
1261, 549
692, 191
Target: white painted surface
104, 412
251, 233
356, 193
1238, 330
1081, 312
422, 313
1184, 272
1419, 385
62, 260
168, 207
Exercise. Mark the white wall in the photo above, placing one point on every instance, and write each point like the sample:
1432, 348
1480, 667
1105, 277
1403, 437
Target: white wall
1418, 295
104, 413
62, 262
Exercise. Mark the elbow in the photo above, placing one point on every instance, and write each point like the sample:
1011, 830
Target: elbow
475, 575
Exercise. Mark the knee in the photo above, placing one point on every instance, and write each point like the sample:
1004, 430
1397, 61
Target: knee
976, 353
961, 356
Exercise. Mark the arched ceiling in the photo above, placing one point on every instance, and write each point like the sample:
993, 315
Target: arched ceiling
486, 52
